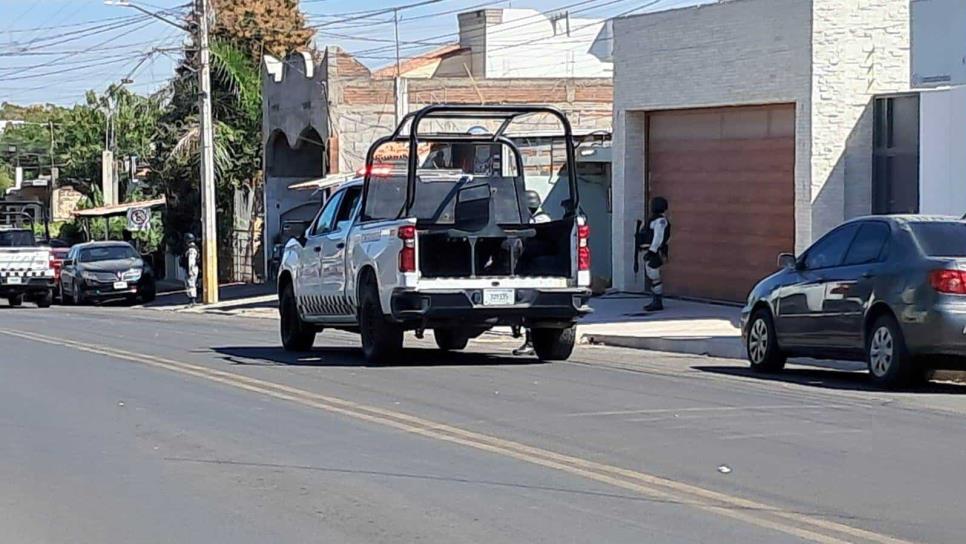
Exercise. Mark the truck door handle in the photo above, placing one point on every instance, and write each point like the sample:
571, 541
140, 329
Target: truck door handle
340, 245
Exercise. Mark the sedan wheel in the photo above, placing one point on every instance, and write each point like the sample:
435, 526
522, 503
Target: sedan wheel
758, 342
762, 345
890, 363
881, 350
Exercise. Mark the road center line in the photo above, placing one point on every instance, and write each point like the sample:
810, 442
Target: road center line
801, 525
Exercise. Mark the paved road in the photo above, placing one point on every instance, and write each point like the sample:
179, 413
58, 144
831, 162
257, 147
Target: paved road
126, 425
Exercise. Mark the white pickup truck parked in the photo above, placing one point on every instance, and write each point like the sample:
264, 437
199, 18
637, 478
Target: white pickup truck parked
451, 232
26, 269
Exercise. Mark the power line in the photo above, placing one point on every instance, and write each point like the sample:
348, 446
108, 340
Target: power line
384, 11
71, 36
473, 34
87, 50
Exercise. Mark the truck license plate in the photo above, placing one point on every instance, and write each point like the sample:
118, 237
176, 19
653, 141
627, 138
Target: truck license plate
498, 297
120, 285
13, 280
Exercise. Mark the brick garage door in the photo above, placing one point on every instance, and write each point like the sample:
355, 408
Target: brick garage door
728, 174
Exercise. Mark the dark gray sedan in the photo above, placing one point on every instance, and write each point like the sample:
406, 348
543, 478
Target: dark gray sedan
890, 290
105, 270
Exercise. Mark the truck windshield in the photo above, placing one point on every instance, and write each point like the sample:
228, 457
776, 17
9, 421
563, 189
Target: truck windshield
107, 253
940, 238
17, 238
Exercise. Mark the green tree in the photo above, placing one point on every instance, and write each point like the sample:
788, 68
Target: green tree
6, 179
242, 32
79, 135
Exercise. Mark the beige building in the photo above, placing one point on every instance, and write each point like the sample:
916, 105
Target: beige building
321, 112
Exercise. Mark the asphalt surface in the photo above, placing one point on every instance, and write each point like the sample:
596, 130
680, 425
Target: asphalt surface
139, 425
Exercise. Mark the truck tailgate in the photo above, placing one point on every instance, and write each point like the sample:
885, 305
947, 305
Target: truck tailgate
25, 261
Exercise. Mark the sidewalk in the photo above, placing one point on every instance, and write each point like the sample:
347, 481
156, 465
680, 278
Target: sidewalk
234, 299
683, 327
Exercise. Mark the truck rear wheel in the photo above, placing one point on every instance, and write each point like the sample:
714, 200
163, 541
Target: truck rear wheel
450, 339
45, 299
381, 340
15, 300
296, 335
554, 344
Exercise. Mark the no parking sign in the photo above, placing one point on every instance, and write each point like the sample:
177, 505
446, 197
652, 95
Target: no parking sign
138, 219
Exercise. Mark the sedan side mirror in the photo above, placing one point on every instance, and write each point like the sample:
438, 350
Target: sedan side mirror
787, 261
68, 262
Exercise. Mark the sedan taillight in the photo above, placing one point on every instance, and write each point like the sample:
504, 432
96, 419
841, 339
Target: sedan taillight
951, 282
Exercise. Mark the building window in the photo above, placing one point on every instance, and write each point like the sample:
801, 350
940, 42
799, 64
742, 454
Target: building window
895, 176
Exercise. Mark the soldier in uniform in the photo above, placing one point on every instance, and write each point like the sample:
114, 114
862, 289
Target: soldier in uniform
656, 239
190, 263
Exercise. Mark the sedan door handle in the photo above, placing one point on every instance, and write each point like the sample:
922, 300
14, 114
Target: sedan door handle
340, 245
867, 275
317, 249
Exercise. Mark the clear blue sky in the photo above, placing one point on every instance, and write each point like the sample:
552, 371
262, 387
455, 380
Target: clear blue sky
54, 50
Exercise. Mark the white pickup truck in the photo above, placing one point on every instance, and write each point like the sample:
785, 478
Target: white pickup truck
26, 269
448, 231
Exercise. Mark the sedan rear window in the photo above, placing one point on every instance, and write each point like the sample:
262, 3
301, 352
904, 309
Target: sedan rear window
941, 239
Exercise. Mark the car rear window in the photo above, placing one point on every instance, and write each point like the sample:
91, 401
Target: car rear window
941, 239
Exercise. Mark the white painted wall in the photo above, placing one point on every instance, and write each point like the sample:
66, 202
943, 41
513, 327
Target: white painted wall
942, 152
938, 42
529, 44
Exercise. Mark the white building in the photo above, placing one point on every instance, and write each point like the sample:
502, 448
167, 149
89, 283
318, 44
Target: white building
754, 118
512, 43
4, 123
939, 42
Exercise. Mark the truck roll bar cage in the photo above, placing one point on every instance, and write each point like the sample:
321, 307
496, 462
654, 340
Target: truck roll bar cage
506, 113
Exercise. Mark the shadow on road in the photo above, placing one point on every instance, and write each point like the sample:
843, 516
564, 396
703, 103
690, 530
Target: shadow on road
349, 356
832, 379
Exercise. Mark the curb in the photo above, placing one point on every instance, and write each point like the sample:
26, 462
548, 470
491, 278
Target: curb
727, 348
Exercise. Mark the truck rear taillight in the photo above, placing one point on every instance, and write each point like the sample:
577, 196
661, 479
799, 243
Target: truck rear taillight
951, 282
407, 255
583, 247
54, 263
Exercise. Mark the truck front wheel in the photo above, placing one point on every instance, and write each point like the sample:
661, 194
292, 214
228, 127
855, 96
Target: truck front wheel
554, 344
381, 340
296, 335
15, 300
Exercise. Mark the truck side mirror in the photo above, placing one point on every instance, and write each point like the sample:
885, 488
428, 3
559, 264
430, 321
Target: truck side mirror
787, 261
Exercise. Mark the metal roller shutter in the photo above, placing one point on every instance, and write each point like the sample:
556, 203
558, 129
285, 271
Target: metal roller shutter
728, 174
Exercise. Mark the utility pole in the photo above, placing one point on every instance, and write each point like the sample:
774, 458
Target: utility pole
209, 236
53, 179
396, 81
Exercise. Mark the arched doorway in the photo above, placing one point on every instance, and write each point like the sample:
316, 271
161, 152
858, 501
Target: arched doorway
288, 212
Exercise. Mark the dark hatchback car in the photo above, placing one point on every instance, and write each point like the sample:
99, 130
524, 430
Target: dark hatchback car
105, 270
890, 290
